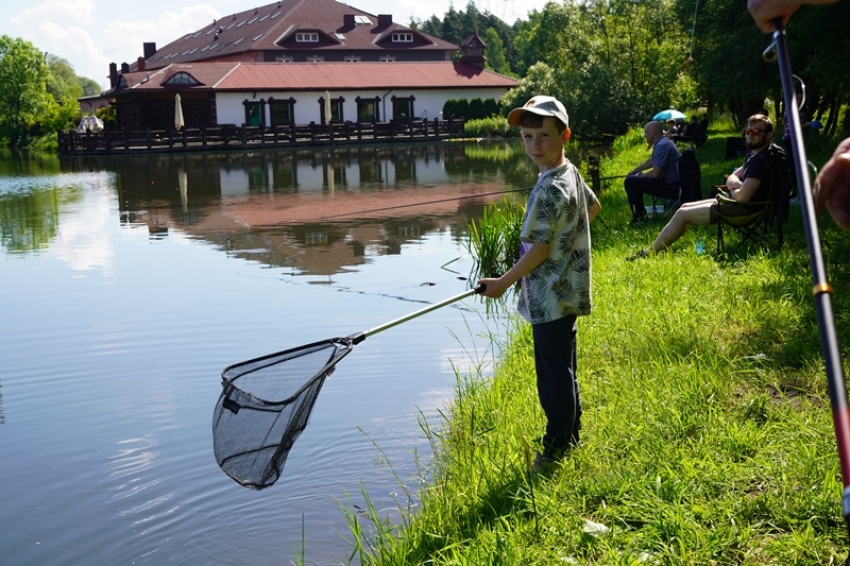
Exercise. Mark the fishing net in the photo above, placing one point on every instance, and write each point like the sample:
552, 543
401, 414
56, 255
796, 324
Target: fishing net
264, 407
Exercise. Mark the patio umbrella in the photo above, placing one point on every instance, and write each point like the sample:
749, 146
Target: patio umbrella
668, 114
327, 107
89, 123
178, 112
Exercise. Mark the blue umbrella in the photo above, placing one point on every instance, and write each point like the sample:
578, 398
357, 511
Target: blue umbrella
668, 114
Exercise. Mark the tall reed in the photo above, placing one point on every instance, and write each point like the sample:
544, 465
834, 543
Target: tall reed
494, 241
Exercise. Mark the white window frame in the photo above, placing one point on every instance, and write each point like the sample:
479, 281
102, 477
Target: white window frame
351, 59
307, 37
315, 59
387, 59
403, 37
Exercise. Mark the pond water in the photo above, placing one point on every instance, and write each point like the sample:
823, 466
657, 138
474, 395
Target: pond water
128, 284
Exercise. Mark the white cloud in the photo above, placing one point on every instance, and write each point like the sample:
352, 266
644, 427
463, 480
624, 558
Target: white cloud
90, 37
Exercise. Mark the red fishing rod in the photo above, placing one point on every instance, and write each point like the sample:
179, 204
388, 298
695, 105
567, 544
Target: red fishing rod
821, 290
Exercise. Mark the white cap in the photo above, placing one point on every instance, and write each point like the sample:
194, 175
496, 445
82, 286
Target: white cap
542, 106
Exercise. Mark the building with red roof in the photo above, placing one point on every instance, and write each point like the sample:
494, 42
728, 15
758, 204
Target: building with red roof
296, 62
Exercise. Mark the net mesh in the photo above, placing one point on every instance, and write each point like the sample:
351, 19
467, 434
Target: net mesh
264, 407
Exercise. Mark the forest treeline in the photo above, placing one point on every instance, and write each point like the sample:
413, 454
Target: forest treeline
618, 62
614, 63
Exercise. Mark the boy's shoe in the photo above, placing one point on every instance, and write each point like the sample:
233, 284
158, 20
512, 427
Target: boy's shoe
638, 220
546, 461
639, 255
543, 464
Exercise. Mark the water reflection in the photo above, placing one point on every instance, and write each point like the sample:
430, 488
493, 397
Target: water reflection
315, 211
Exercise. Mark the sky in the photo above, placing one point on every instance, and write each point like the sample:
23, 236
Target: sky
90, 34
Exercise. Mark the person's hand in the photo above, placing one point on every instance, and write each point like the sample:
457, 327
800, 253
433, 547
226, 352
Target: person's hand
832, 186
764, 12
494, 287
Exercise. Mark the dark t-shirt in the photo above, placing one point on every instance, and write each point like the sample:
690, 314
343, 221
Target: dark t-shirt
755, 166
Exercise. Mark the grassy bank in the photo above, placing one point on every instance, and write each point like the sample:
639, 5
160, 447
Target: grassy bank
707, 432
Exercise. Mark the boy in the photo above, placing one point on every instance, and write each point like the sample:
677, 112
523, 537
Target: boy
554, 267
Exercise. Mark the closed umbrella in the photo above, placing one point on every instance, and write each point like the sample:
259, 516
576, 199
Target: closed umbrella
178, 112
327, 107
669, 114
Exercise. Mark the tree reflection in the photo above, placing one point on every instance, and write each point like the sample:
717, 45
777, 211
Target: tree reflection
28, 220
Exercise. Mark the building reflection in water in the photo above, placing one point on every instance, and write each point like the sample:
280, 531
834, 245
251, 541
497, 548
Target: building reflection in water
318, 211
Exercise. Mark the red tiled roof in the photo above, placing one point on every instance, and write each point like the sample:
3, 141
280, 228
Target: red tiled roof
352, 76
271, 28
232, 76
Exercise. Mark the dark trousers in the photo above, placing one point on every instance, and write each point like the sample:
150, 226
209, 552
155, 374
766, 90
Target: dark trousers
557, 387
638, 185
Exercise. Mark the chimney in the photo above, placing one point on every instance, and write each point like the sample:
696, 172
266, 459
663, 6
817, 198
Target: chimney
385, 20
348, 21
148, 49
113, 75
125, 68
140, 64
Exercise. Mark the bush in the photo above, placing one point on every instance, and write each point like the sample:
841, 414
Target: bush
489, 127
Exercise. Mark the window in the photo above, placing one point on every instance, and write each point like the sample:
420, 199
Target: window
402, 108
182, 78
284, 59
315, 59
282, 112
362, 20
336, 109
387, 59
367, 109
351, 59
403, 38
311, 37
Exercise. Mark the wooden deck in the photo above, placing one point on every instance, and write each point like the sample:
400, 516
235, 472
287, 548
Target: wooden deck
246, 137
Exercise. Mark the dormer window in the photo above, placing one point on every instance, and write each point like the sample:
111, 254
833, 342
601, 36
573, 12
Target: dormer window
402, 38
311, 37
183, 79
362, 21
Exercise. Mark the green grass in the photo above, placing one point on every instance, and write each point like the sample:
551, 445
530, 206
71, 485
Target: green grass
707, 434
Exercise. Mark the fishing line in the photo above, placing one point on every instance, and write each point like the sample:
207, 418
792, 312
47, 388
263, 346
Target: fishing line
438, 201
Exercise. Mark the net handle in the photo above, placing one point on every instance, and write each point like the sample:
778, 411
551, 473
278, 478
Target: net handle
359, 337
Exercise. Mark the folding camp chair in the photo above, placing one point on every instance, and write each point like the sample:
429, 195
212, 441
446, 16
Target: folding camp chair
756, 227
766, 218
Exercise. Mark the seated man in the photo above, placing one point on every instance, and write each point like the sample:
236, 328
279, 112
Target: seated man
749, 182
690, 130
661, 180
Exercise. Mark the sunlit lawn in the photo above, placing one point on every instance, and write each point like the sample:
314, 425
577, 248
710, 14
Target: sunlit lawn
707, 432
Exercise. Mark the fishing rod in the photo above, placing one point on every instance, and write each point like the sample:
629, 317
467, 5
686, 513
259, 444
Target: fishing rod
821, 290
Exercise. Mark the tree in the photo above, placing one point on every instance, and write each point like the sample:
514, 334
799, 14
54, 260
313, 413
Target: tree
495, 52
23, 80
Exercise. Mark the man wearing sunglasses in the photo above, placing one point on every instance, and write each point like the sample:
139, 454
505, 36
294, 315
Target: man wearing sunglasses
832, 186
750, 182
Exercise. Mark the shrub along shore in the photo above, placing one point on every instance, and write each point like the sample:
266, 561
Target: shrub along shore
707, 433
